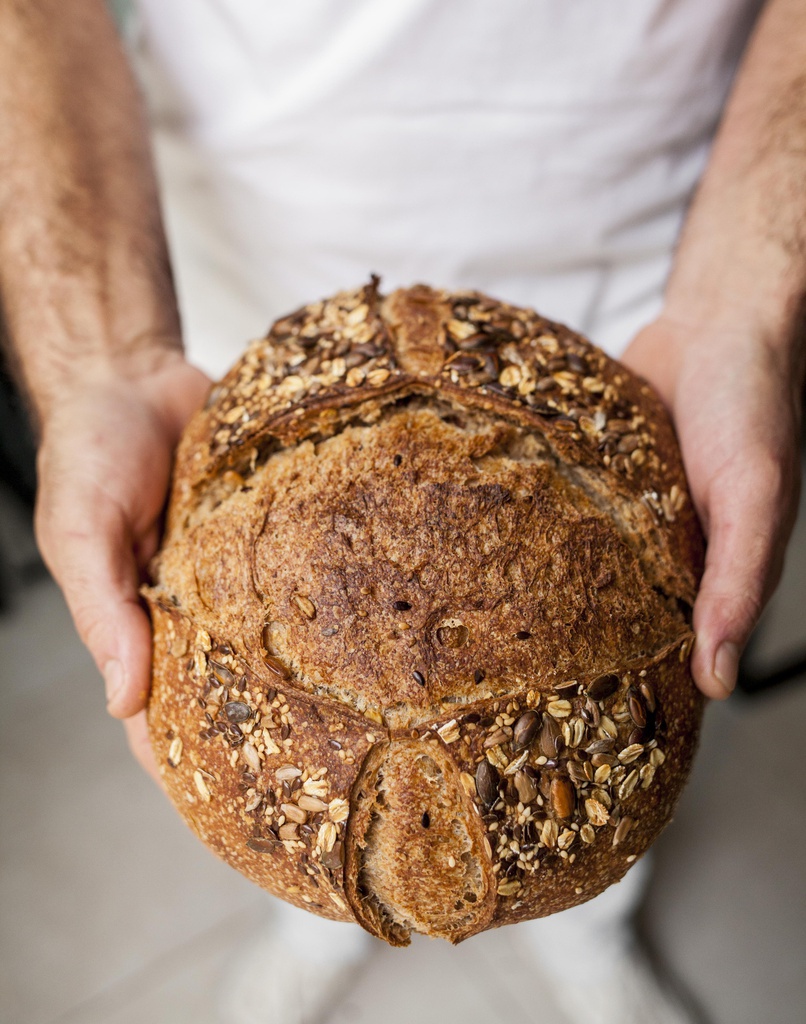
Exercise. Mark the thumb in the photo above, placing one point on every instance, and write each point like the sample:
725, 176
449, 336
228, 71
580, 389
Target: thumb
140, 745
87, 545
748, 527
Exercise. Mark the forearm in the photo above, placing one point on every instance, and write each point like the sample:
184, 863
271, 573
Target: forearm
741, 261
84, 274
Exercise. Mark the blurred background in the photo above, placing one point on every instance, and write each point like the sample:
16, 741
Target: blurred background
113, 913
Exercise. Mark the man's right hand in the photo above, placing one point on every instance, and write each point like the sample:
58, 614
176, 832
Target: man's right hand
89, 306
104, 470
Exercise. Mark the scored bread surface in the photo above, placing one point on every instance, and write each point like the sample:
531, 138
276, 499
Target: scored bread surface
422, 615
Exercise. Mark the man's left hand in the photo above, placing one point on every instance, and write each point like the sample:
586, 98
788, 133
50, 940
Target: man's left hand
735, 402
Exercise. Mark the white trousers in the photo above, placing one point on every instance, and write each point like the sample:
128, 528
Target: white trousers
601, 928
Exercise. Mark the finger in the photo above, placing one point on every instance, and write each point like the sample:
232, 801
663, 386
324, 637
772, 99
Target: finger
87, 547
749, 519
147, 548
140, 745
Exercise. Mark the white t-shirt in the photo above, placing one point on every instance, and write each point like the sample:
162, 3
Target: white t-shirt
542, 150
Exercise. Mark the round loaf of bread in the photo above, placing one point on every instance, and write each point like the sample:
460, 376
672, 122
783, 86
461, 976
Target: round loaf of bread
422, 615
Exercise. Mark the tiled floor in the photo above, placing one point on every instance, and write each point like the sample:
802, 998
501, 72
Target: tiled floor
112, 913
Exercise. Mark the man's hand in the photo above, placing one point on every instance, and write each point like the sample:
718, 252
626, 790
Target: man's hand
88, 300
727, 353
735, 402
104, 469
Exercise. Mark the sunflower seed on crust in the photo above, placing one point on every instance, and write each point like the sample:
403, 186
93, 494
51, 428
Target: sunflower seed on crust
175, 752
622, 829
251, 756
562, 797
201, 786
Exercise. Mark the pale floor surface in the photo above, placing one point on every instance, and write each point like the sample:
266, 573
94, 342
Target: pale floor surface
112, 913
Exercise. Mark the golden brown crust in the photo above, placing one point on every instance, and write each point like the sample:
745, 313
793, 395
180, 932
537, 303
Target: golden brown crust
237, 747
416, 846
339, 361
434, 514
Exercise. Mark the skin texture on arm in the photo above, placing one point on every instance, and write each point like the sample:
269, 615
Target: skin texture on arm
90, 309
727, 352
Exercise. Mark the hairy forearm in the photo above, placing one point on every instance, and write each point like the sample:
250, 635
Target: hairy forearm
84, 275
741, 262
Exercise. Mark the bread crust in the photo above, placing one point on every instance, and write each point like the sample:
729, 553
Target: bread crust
428, 522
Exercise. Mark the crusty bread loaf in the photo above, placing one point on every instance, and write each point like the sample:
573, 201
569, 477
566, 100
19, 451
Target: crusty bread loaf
422, 615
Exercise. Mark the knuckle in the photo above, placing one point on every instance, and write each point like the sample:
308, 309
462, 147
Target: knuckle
746, 610
737, 611
774, 473
90, 623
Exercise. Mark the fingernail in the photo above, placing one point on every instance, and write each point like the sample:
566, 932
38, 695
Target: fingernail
726, 665
113, 679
